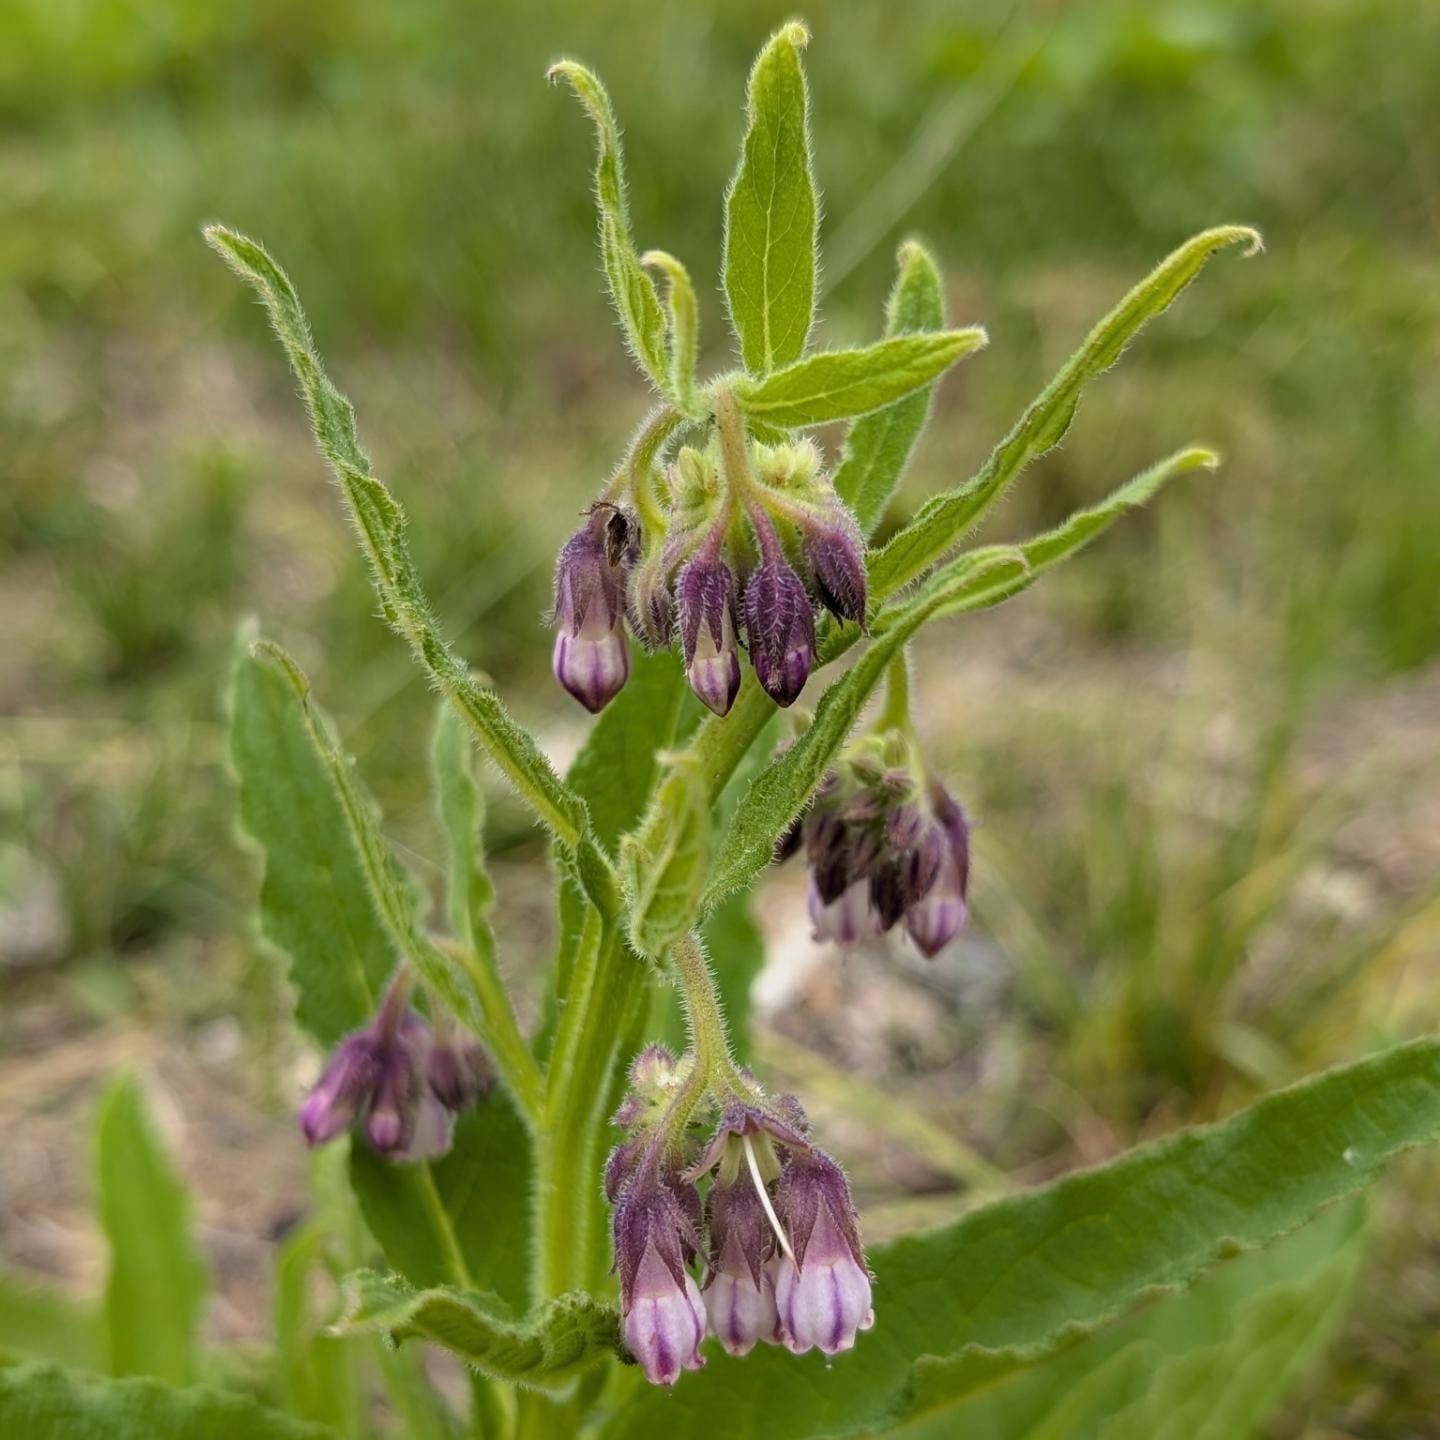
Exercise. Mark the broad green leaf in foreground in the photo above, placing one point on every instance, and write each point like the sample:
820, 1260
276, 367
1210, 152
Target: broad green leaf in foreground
544, 1351
878, 445
468, 1216
1209, 1363
771, 213
632, 290
157, 1279
1027, 1271
944, 520
314, 904
43, 1402
836, 384
38, 1323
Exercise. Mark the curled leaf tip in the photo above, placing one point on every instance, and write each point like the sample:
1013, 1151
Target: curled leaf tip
797, 32
559, 68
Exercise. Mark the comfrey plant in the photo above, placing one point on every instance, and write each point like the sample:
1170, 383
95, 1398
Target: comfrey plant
728, 555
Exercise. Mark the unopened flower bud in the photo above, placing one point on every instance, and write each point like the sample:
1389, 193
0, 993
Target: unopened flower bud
592, 658
823, 1294
780, 630
706, 590
941, 915
458, 1072
836, 556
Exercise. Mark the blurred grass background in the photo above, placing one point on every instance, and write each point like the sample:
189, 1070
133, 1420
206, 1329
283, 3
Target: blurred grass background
1204, 760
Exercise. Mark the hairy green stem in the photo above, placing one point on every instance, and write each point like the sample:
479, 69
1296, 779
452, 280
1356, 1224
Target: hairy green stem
606, 986
708, 1031
508, 1047
633, 473
895, 714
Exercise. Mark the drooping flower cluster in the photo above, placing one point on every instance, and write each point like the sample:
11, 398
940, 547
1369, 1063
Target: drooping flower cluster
775, 1235
400, 1080
722, 561
885, 843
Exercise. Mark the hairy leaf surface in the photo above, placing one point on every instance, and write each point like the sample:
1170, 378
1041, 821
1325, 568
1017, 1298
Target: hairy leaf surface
1024, 1272
771, 214
836, 384
544, 1351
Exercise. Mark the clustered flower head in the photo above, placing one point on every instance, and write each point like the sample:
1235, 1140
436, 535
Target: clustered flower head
884, 843
400, 1081
774, 1238
722, 560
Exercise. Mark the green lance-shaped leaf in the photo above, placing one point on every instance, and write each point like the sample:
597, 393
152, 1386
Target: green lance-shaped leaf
1028, 1271
314, 903
380, 526
878, 446
43, 1402
461, 806
836, 384
157, 1280
632, 290
684, 321
944, 520
664, 867
771, 213
543, 1351
464, 1218
1209, 1363
1044, 552
785, 787
317, 1374
469, 988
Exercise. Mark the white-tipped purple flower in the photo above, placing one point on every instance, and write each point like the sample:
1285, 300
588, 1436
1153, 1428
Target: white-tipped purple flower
822, 1295
847, 920
836, 556
779, 629
739, 1292
592, 656
654, 1230
706, 591
941, 915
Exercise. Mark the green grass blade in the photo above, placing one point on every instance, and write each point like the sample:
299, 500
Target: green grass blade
157, 1281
